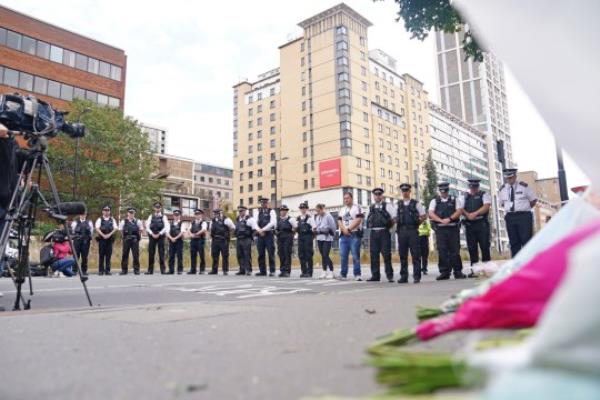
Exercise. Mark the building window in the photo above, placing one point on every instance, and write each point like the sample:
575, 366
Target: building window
344, 93
364, 101
250, 112
342, 61
250, 149
345, 109
241, 177
366, 132
345, 126
363, 71
272, 143
272, 92
343, 77
272, 104
259, 108
259, 121
365, 117
342, 45
259, 160
259, 147
364, 85
272, 130
341, 30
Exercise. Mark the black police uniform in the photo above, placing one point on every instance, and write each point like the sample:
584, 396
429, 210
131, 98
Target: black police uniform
380, 240
156, 225
265, 243
105, 246
408, 238
219, 244
285, 242
243, 234
175, 248
447, 238
197, 248
131, 243
81, 242
477, 230
305, 245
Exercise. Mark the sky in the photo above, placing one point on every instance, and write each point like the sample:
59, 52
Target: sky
183, 57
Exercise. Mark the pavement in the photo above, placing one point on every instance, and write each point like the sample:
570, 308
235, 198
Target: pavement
205, 336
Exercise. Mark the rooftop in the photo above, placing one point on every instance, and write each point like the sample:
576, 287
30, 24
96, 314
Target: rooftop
340, 8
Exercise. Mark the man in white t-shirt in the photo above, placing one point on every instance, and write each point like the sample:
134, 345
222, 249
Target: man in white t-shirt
350, 222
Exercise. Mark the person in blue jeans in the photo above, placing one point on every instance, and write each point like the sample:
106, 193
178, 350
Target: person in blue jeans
350, 222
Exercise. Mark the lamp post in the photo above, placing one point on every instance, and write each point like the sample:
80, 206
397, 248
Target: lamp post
76, 172
562, 176
277, 179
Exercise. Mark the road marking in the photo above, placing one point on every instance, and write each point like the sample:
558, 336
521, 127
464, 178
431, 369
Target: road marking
245, 291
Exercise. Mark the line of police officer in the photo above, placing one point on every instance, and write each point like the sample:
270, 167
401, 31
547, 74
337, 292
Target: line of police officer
445, 211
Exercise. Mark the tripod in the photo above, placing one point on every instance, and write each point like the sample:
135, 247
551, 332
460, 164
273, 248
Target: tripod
22, 212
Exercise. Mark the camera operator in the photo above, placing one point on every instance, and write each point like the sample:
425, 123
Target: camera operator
8, 170
61, 248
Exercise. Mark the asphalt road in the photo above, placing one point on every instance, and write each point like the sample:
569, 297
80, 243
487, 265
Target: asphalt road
202, 336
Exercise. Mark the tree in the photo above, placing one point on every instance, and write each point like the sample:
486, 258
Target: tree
422, 16
430, 189
115, 160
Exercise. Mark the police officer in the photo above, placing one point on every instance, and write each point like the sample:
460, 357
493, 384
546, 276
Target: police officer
131, 231
198, 231
220, 231
380, 221
106, 226
306, 235
157, 226
410, 215
265, 242
285, 241
245, 226
175, 237
445, 211
477, 205
82, 229
517, 199
424, 233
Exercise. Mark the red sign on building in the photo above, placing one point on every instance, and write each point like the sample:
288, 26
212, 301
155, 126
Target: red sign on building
330, 173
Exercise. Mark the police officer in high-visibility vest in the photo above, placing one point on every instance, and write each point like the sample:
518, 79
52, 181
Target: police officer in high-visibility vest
131, 231
410, 215
518, 200
306, 236
106, 226
157, 226
82, 229
445, 211
477, 205
266, 220
381, 221
220, 232
197, 232
245, 226
175, 237
424, 233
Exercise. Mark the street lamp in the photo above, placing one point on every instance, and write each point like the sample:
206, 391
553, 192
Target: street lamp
277, 178
76, 172
562, 176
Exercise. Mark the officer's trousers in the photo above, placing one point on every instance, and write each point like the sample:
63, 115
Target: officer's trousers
448, 244
380, 243
176, 251
82, 250
219, 247
243, 250
408, 239
285, 243
266, 243
133, 246
306, 252
152, 245
197, 250
519, 226
424, 252
478, 237
105, 248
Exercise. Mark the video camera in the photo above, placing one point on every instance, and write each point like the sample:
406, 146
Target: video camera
34, 117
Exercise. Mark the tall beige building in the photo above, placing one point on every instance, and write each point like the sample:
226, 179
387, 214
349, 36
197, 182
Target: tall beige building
333, 117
